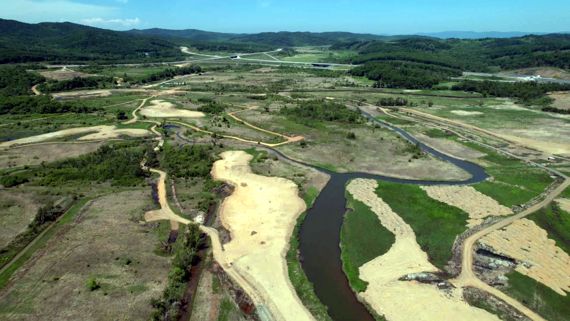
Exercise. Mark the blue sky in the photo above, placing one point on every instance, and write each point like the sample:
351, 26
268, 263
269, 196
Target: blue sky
379, 16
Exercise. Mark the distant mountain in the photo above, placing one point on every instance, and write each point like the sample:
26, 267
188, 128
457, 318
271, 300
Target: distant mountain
23, 42
191, 34
478, 35
276, 39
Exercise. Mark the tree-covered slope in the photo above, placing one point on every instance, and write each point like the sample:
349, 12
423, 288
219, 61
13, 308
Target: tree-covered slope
22, 42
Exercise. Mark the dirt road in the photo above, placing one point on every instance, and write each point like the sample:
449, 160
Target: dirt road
165, 212
135, 116
36, 91
468, 278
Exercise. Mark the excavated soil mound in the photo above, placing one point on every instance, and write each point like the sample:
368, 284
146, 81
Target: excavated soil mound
538, 255
260, 215
164, 109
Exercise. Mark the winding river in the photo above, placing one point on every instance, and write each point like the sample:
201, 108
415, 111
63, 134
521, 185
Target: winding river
320, 232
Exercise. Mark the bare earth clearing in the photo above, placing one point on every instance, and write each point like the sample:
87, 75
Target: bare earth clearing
405, 300
165, 109
468, 199
561, 100
466, 113
564, 204
36, 154
260, 215
538, 255
91, 133
105, 242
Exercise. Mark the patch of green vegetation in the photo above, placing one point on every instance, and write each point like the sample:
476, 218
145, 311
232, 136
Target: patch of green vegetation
117, 163
514, 182
92, 284
362, 239
227, 308
310, 195
322, 110
435, 224
481, 302
538, 297
259, 156
394, 120
186, 250
556, 222
188, 161
436, 133
213, 107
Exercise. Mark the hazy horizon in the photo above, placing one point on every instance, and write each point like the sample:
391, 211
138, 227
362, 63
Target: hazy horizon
366, 16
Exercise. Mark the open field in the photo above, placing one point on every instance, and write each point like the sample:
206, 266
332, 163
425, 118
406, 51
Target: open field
31, 155
374, 150
105, 243
561, 100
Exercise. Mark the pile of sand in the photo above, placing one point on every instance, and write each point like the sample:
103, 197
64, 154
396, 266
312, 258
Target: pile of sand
260, 215
564, 204
405, 300
164, 109
539, 256
468, 199
92, 133
466, 113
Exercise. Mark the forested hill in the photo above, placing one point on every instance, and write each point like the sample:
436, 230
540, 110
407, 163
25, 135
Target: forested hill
473, 55
68, 42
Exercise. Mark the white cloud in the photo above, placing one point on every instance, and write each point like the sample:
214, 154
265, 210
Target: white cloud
53, 10
101, 22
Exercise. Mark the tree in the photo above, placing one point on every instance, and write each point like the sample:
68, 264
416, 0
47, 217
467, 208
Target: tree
121, 115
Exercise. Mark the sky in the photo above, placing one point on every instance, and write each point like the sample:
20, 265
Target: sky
249, 16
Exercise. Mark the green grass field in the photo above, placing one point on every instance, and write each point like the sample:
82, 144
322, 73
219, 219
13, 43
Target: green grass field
538, 297
514, 182
435, 224
362, 239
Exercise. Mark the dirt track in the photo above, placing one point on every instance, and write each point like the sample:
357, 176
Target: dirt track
468, 277
165, 212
